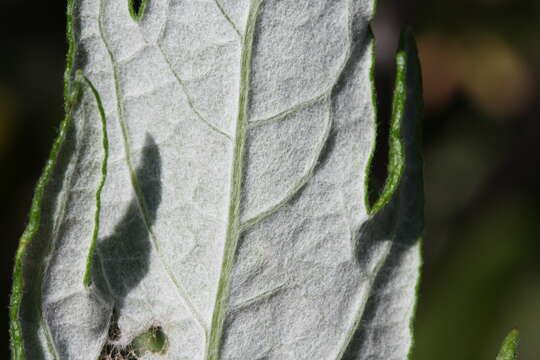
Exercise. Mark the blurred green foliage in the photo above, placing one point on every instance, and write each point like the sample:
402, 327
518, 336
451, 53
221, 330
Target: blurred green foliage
481, 61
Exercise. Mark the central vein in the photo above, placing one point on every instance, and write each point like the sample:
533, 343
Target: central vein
233, 221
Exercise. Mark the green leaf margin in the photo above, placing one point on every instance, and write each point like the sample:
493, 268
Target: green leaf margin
71, 95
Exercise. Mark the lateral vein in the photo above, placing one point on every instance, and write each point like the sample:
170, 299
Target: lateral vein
188, 97
300, 184
227, 17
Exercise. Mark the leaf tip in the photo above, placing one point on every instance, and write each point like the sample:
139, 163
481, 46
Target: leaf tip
405, 134
509, 346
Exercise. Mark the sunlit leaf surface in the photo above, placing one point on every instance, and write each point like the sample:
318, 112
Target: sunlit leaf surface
206, 196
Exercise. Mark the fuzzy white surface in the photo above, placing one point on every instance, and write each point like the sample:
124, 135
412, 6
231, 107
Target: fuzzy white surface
305, 273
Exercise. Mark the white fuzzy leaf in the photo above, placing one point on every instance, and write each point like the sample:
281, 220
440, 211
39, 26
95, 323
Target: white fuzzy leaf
216, 155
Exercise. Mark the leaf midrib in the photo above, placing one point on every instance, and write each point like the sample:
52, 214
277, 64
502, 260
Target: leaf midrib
233, 222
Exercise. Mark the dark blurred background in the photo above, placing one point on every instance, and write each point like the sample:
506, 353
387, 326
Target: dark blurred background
481, 63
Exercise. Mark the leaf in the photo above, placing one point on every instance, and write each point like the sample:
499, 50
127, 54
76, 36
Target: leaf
509, 346
208, 185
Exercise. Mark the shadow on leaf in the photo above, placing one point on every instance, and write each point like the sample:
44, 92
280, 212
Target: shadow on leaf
125, 254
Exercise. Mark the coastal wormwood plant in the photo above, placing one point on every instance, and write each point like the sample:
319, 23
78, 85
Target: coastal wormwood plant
206, 197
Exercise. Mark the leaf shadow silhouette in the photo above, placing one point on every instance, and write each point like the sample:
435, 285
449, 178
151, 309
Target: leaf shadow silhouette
125, 255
